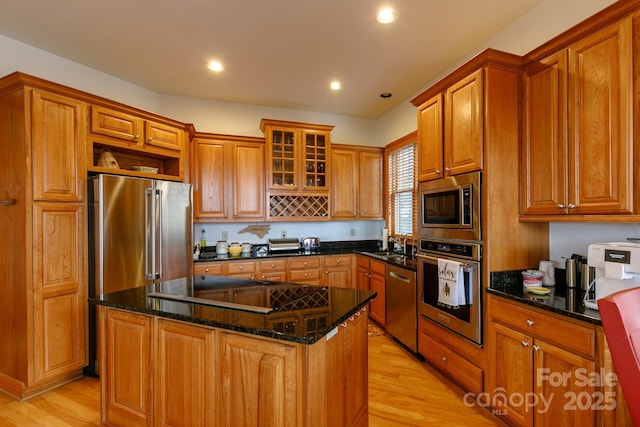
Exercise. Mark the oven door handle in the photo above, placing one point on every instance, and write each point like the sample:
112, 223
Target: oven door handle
466, 266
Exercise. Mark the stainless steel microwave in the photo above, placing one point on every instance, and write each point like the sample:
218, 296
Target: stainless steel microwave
449, 208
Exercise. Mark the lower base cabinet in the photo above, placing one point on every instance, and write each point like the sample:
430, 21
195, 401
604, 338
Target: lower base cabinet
547, 370
157, 371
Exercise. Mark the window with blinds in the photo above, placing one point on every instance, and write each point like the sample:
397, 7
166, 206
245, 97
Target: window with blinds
402, 187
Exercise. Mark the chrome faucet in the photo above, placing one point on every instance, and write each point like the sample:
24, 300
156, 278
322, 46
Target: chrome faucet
403, 244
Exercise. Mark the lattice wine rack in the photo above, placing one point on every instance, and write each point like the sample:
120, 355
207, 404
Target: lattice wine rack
286, 206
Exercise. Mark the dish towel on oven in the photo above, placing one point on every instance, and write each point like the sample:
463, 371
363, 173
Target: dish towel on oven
450, 284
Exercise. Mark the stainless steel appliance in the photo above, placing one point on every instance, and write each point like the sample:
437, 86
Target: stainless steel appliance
466, 319
141, 230
310, 244
617, 267
401, 298
449, 208
284, 246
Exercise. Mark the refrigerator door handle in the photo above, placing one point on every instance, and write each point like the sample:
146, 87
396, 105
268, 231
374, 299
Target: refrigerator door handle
149, 234
159, 234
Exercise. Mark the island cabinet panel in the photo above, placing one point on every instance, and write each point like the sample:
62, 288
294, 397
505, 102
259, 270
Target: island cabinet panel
184, 386
126, 370
260, 385
157, 371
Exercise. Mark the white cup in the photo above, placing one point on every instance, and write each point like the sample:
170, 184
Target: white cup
548, 273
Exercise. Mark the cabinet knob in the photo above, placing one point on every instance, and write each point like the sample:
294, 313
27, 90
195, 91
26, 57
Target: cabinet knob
149, 139
529, 322
338, 261
242, 267
525, 343
438, 171
305, 263
560, 206
444, 358
273, 265
306, 275
572, 206
206, 269
536, 348
447, 169
136, 137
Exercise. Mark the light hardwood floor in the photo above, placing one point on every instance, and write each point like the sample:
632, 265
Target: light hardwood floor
402, 392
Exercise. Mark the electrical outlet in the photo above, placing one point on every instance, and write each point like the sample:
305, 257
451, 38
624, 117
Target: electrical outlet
353, 231
225, 235
283, 234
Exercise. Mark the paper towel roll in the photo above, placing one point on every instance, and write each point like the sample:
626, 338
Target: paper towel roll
385, 239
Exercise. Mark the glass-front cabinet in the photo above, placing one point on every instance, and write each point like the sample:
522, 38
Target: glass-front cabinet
298, 155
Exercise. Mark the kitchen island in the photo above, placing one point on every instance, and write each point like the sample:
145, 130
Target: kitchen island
211, 350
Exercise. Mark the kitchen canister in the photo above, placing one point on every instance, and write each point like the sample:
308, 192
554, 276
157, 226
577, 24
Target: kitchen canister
548, 273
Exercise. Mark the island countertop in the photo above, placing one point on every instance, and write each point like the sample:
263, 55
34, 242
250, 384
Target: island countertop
286, 311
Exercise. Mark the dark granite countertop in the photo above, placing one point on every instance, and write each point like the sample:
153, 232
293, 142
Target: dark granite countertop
561, 300
298, 313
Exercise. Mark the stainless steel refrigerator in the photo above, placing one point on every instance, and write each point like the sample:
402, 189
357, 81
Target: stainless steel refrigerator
140, 233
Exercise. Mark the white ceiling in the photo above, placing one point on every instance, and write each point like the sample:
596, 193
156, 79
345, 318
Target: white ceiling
278, 53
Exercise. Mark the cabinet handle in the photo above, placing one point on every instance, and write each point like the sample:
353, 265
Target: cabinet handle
242, 267
206, 270
338, 261
447, 169
273, 265
306, 275
438, 171
536, 348
149, 139
525, 343
444, 358
560, 206
8, 202
136, 137
305, 263
529, 322
572, 206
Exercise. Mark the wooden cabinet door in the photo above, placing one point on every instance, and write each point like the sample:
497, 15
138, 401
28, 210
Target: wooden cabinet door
344, 184
282, 155
544, 136
567, 384
59, 289
126, 374
116, 124
265, 373
338, 271
315, 160
600, 128
370, 184
430, 139
59, 147
378, 305
184, 387
163, 136
511, 374
464, 125
210, 174
362, 272
247, 165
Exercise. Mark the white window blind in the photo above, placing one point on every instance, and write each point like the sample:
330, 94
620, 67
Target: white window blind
402, 187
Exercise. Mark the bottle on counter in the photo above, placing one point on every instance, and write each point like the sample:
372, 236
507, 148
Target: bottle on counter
203, 241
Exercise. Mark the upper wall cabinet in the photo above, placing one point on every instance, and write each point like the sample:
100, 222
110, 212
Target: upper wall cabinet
454, 116
298, 169
135, 140
577, 142
228, 178
357, 182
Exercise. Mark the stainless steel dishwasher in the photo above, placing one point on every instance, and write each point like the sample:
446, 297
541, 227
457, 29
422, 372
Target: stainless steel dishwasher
401, 295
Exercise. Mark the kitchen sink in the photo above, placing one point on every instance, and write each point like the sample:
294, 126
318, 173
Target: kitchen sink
393, 258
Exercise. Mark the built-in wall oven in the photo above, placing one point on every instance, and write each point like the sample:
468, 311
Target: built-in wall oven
464, 319
450, 230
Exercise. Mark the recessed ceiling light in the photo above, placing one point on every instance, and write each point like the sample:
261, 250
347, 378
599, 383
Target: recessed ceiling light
386, 15
215, 66
335, 85
386, 95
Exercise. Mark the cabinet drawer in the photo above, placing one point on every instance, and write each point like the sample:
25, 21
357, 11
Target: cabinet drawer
304, 263
241, 267
457, 367
208, 268
304, 275
338, 261
273, 265
569, 335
